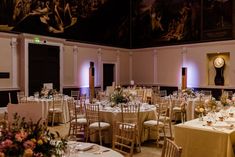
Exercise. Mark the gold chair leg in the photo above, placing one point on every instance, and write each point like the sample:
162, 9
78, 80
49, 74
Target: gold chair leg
100, 136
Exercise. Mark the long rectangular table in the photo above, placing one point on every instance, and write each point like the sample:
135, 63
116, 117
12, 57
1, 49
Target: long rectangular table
200, 140
30, 111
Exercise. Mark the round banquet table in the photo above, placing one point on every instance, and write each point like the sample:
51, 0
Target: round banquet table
112, 115
92, 150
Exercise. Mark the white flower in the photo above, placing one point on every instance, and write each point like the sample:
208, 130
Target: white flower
207, 101
53, 142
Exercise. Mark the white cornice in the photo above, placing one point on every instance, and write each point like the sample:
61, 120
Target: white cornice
225, 42
79, 44
72, 43
8, 35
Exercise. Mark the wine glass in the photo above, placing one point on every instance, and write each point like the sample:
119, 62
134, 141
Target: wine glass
72, 141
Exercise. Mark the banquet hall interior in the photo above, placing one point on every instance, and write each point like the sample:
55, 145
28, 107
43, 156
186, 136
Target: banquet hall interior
120, 78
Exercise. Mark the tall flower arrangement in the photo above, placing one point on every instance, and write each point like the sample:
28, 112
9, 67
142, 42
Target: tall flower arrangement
188, 92
28, 139
211, 104
225, 101
46, 93
118, 96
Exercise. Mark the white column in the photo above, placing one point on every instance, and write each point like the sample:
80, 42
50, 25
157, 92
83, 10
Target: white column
184, 56
14, 63
155, 81
62, 50
118, 68
99, 69
183, 64
130, 66
75, 65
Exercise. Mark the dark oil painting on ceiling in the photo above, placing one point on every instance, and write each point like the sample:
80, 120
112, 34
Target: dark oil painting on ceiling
121, 23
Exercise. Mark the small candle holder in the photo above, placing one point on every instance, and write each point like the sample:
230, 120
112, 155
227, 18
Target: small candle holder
209, 122
221, 119
231, 114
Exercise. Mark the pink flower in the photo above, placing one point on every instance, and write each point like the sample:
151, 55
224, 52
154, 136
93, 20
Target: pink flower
18, 137
29, 144
2, 154
7, 143
21, 136
228, 101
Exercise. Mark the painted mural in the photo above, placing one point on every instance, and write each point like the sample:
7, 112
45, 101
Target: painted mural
121, 23
164, 22
91, 21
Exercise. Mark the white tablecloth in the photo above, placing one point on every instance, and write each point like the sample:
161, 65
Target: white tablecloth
35, 109
200, 140
94, 150
113, 115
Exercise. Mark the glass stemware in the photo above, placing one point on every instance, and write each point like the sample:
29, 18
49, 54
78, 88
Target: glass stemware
72, 142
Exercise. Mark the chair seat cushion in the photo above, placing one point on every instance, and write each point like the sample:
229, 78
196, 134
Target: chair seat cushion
81, 115
151, 123
177, 109
162, 118
56, 110
80, 121
103, 125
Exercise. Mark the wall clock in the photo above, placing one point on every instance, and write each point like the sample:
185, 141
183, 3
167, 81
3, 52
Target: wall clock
219, 62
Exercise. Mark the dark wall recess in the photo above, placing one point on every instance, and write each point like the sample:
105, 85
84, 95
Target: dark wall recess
4, 75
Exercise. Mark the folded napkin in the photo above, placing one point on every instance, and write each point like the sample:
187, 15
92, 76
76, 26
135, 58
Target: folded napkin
230, 120
221, 125
83, 146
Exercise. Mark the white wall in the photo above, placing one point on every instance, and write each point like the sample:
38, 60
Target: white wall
125, 71
156, 65
143, 67
170, 60
77, 63
76, 58
8, 60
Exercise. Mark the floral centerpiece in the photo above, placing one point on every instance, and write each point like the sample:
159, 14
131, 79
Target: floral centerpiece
211, 104
46, 93
118, 96
26, 139
188, 92
200, 110
225, 101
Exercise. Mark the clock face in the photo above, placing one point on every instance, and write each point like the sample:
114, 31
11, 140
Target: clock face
219, 62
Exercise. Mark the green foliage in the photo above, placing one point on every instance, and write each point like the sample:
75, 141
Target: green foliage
29, 139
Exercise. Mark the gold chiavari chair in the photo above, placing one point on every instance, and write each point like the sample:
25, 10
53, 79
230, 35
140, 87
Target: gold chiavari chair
55, 108
124, 138
179, 108
101, 95
21, 97
158, 124
77, 125
140, 94
130, 115
76, 95
166, 115
170, 149
81, 106
95, 125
